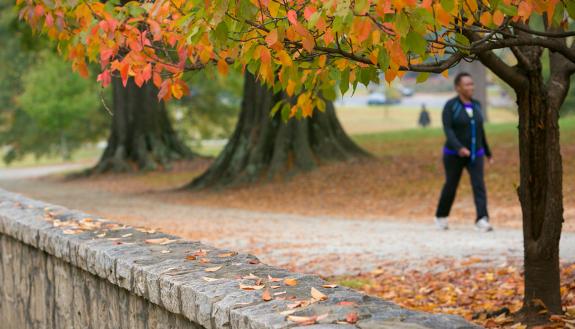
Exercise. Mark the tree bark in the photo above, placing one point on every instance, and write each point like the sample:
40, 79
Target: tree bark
265, 148
540, 193
141, 137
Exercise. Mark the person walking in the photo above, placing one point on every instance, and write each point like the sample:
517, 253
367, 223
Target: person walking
424, 117
465, 147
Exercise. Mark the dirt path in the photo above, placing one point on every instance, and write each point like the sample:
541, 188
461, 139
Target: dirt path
324, 245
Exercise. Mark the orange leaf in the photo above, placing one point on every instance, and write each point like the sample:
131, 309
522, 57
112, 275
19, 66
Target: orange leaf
266, 295
290, 282
272, 37
351, 317
498, 17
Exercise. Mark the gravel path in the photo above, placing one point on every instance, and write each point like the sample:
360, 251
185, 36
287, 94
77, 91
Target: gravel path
313, 244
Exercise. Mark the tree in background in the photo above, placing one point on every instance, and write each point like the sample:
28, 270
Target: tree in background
45, 108
265, 146
56, 113
307, 48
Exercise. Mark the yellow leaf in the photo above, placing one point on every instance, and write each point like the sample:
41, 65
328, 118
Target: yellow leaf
273, 7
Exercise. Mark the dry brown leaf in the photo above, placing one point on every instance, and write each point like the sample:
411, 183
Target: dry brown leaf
227, 254
288, 312
329, 286
191, 257
213, 269
290, 282
272, 279
68, 232
303, 320
161, 241
251, 286
251, 276
275, 287
204, 260
208, 279
266, 295
318, 295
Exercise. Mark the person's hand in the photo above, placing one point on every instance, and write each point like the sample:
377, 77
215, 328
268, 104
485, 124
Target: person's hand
490, 160
464, 152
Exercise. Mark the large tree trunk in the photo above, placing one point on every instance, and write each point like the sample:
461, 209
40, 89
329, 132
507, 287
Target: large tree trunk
264, 148
540, 194
141, 137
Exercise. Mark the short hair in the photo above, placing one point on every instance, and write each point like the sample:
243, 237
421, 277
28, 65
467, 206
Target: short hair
460, 76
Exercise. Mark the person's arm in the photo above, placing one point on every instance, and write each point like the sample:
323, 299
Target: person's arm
447, 118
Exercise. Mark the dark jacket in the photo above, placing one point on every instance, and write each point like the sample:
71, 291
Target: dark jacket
459, 128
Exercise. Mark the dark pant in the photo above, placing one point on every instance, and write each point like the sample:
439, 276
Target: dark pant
453, 167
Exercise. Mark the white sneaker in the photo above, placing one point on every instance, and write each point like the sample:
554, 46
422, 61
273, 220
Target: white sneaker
482, 225
441, 223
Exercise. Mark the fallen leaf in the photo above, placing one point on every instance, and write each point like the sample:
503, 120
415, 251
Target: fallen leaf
279, 293
191, 257
159, 241
266, 295
351, 317
228, 254
288, 312
303, 320
165, 251
272, 279
251, 276
251, 287
208, 279
290, 282
213, 269
316, 294
127, 235
329, 286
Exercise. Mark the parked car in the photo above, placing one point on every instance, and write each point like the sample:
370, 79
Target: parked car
376, 99
406, 91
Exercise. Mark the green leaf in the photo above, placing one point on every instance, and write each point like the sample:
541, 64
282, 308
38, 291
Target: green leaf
402, 23
461, 39
276, 108
571, 8
422, 77
344, 81
448, 5
416, 43
329, 93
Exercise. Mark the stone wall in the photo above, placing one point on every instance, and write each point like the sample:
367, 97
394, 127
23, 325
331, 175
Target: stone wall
65, 269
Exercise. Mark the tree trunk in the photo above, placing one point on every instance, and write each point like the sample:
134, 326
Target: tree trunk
540, 194
264, 148
142, 137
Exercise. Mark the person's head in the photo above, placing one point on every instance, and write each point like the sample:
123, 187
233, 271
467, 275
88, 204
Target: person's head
464, 86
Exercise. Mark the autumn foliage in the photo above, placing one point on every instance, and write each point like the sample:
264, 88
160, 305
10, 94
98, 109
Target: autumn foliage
302, 47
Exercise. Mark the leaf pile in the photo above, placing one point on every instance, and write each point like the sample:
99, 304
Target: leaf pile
484, 294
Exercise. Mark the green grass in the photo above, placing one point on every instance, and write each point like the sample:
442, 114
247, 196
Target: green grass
354, 283
566, 124
87, 153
